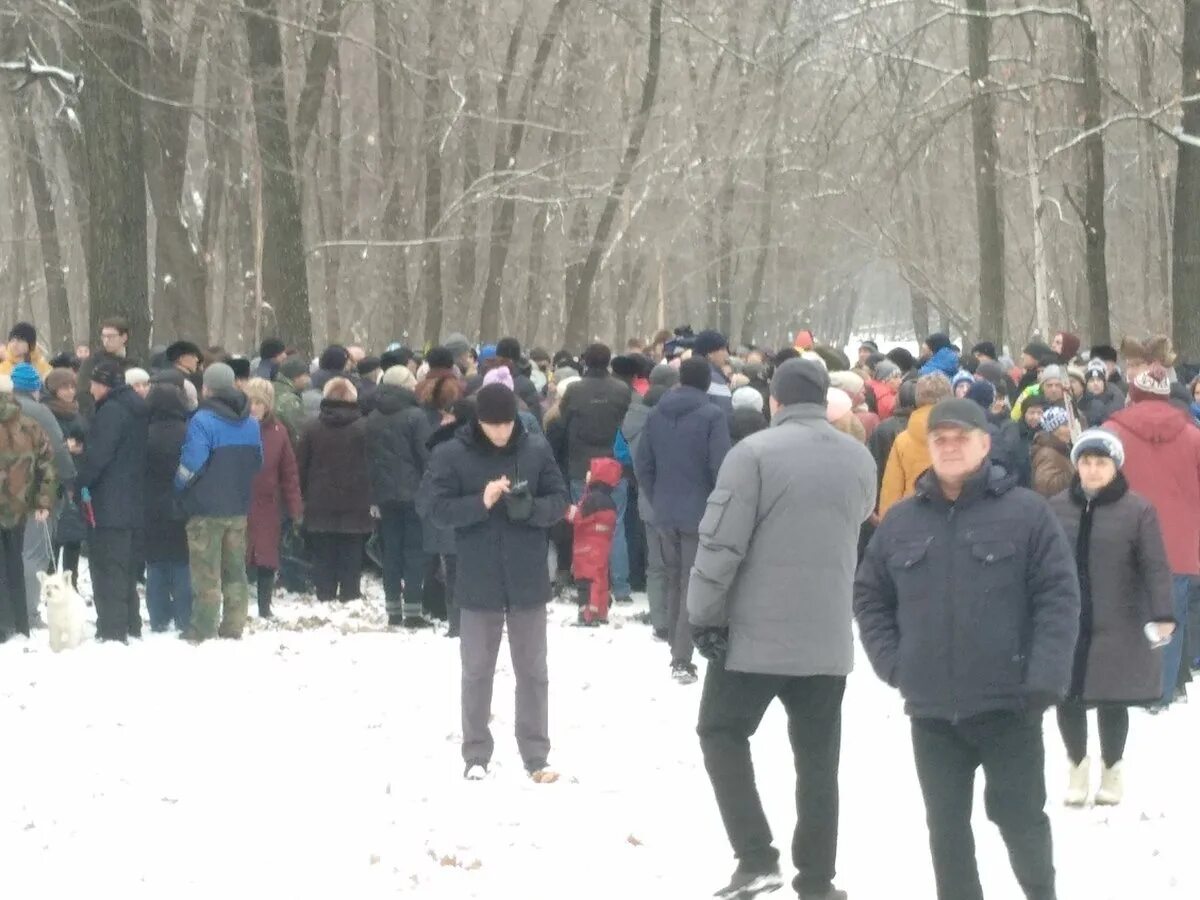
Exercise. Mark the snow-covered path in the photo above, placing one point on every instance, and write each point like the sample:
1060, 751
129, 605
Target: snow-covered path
319, 757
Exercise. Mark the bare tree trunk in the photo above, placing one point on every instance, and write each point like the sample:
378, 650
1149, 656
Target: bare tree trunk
179, 273
308, 107
43, 207
534, 292
1185, 279
1094, 229
1041, 276
431, 257
1158, 217
285, 271
111, 117
580, 312
504, 211
472, 168
333, 204
987, 182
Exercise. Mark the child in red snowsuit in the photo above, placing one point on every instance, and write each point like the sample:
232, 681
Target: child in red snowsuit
594, 519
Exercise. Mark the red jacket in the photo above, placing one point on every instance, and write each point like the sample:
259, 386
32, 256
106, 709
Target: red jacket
1162, 463
885, 398
276, 485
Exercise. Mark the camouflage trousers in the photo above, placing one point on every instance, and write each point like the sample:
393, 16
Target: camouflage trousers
217, 548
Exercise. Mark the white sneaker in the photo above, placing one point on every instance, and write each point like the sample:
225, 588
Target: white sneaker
1112, 786
1078, 784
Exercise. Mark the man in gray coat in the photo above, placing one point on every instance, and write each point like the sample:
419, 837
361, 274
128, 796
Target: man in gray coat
770, 608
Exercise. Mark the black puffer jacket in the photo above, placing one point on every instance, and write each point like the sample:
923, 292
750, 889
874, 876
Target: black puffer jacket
501, 562
973, 606
166, 534
1096, 408
397, 432
332, 462
113, 465
591, 412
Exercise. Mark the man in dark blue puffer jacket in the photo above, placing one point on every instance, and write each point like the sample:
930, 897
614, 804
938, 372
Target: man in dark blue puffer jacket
968, 602
221, 455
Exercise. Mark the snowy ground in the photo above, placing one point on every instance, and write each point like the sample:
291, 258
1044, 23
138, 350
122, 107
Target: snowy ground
319, 757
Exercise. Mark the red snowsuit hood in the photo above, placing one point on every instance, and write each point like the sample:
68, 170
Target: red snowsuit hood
605, 470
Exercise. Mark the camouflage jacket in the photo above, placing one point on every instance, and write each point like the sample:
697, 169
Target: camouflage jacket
288, 408
26, 465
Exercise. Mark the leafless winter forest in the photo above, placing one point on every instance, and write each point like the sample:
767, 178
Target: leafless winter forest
384, 170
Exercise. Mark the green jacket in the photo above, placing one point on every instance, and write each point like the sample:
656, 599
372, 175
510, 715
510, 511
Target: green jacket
26, 465
288, 408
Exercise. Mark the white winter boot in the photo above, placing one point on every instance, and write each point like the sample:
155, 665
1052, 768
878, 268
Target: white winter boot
1078, 784
1112, 787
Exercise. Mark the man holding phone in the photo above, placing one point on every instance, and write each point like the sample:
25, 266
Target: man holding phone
500, 489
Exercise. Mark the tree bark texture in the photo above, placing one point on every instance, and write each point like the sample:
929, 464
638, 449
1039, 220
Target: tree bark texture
987, 182
110, 113
1185, 258
1095, 232
285, 272
579, 314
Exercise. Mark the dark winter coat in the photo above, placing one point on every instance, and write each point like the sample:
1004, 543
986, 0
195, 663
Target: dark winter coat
113, 464
681, 451
590, 413
744, 423
1162, 463
221, 455
70, 528
437, 537
1097, 409
1124, 582
276, 487
332, 458
397, 433
501, 562
719, 392
881, 440
633, 428
1051, 465
973, 606
166, 534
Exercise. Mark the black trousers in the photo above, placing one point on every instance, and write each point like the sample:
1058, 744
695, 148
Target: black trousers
113, 558
337, 564
70, 559
1009, 747
264, 582
14, 614
1112, 721
731, 708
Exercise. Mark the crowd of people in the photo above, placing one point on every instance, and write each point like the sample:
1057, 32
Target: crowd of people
1010, 535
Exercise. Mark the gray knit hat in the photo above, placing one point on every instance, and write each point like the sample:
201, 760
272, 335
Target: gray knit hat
218, 377
800, 381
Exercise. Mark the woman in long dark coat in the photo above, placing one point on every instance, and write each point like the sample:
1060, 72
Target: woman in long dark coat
168, 572
276, 486
71, 531
332, 458
1126, 613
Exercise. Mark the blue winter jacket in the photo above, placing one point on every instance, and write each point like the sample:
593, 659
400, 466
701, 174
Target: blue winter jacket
221, 454
681, 449
944, 361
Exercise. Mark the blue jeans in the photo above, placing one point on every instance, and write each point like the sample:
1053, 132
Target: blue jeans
618, 557
169, 595
1173, 653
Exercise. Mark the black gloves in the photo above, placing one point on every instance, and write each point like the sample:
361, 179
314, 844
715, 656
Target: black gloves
713, 643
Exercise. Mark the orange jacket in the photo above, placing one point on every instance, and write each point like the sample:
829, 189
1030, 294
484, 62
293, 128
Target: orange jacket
906, 463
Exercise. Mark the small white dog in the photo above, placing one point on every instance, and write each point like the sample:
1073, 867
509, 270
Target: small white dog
65, 611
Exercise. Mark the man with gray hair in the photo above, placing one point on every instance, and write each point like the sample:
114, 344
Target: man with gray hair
770, 608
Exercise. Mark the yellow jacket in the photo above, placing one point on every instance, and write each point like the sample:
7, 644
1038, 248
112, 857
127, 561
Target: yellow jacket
907, 462
36, 357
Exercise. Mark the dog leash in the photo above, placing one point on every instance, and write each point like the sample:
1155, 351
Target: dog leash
50, 546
